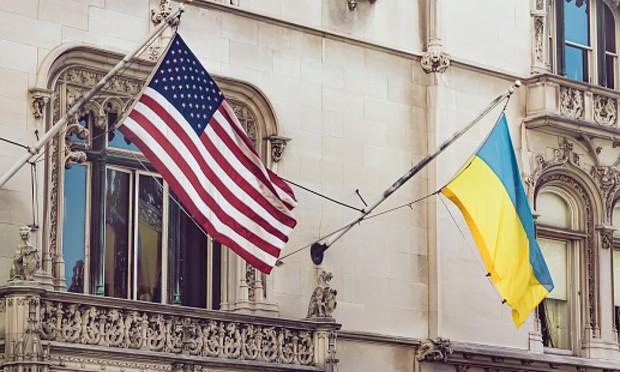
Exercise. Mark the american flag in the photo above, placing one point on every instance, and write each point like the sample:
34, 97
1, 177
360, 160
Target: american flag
185, 128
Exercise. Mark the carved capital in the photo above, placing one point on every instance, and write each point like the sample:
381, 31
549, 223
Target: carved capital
607, 235
433, 61
278, 144
39, 97
434, 350
164, 10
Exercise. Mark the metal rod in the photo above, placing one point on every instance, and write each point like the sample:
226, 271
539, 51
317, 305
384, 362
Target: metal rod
88, 96
318, 248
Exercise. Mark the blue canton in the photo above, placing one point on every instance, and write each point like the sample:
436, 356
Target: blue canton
187, 85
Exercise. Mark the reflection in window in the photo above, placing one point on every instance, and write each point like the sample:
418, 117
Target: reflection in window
117, 233
149, 240
74, 228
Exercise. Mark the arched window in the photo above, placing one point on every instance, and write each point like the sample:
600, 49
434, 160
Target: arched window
558, 235
586, 41
115, 228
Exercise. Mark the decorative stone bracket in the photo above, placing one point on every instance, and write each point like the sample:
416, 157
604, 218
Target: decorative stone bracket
435, 61
278, 144
353, 3
39, 98
434, 350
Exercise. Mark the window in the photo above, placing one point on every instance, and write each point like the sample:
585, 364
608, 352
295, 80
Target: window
586, 42
616, 267
556, 242
139, 242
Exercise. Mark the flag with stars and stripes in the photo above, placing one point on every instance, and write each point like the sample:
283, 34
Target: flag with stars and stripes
185, 128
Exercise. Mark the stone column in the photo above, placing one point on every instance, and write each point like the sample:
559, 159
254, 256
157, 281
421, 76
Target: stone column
540, 42
22, 327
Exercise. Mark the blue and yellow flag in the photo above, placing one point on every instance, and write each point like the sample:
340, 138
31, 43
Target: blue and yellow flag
489, 193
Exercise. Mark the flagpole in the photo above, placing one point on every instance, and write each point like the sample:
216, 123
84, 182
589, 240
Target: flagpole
318, 249
33, 150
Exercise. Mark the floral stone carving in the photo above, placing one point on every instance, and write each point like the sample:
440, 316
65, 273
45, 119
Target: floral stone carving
435, 62
437, 350
166, 333
26, 261
571, 102
605, 110
323, 299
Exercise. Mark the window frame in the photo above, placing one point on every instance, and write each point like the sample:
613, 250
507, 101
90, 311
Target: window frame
575, 240
595, 72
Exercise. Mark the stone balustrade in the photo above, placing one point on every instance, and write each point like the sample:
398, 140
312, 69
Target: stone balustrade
63, 321
565, 106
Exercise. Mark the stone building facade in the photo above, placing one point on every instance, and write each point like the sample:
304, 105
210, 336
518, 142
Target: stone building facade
341, 97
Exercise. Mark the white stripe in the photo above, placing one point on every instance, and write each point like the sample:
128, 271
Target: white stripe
206, 184
221, 227
283, 195
223, 176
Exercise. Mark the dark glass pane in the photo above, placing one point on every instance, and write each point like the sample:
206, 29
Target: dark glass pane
74, 227
576, 63
610, 62
576, 21
117, 233
610, 31
150, 207
116, 139
187, 257
216, 276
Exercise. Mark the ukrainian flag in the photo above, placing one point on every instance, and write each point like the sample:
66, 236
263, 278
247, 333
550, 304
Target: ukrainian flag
489, 193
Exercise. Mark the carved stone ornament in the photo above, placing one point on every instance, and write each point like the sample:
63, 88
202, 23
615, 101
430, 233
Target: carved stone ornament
159, 332
605, 110
539, 4
26, 352
461, 368
39, 98
164, 10
434, 350
433, 61
323, 299
26, 261
571, 102
607, 180
250, 279
278, 144
539, 37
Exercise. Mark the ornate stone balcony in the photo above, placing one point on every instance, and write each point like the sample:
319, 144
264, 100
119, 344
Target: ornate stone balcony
70, 330
567, 107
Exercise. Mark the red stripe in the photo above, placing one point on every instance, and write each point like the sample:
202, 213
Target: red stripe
229, 169
281, 183
192, 208
204, 195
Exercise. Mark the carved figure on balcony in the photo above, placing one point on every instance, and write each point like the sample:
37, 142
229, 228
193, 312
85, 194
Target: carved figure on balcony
434, 350
26, 261
323, 300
